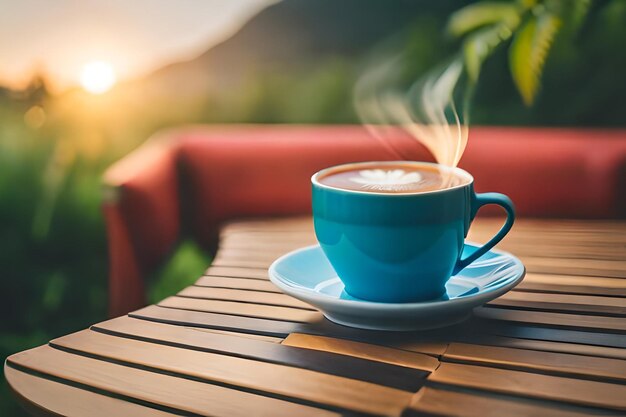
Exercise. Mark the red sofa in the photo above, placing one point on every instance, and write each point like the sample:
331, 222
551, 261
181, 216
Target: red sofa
189, 181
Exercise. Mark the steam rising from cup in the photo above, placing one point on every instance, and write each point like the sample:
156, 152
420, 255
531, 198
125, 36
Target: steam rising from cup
426, 109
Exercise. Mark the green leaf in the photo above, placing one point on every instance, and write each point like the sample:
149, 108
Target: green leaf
479, 45
528, 53
482, 14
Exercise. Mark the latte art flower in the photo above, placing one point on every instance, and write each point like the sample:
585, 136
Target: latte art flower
386, 180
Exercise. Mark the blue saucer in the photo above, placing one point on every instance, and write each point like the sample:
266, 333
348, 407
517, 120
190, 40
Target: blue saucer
307, 275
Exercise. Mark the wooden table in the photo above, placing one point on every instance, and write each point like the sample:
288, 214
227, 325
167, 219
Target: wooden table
233, 345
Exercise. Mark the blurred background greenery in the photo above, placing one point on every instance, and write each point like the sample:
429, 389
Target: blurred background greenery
296, 61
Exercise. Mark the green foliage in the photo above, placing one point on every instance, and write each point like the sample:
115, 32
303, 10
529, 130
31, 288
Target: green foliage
181, 270
527, 54
479, 45
53, 253
482, 14
305, 94
53, 264
534, 25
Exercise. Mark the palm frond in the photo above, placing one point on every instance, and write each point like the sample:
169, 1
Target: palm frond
478, 15
528, 53
481, 44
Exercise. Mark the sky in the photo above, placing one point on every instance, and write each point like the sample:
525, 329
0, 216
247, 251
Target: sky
58, 37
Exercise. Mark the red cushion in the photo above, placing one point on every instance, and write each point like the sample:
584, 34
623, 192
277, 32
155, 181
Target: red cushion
265, 170
551, 172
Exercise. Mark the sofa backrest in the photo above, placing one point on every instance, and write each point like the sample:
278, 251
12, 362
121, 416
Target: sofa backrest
256, 171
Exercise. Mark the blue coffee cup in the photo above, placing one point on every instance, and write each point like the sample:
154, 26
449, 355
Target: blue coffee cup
400, 247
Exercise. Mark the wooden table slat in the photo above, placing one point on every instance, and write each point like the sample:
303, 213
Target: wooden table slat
594, 267
254, 297
363, 350
550, 346
256, 285
566, 299
158, 389
559, 228
261, 254
363, 369
607, 306
243, 242
272, 339
573, 321
552, 334
289, 224
548, 387
242, 309
567, 247
262, 265
283, 381
218, 321
570, 289
612, 370
43, 396
444, 402
237, 272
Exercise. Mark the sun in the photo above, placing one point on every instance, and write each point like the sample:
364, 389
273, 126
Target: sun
97, 77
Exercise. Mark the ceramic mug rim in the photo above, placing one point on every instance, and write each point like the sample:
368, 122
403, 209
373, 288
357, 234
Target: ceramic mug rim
469, 179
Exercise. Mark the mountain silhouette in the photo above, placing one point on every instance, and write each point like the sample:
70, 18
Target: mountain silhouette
292, 35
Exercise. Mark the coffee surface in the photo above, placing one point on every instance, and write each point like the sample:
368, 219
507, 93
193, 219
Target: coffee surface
392, 179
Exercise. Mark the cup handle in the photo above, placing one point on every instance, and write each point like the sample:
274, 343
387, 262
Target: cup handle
477, 202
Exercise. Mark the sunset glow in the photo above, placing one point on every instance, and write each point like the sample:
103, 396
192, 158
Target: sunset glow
97, 77
175, 32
